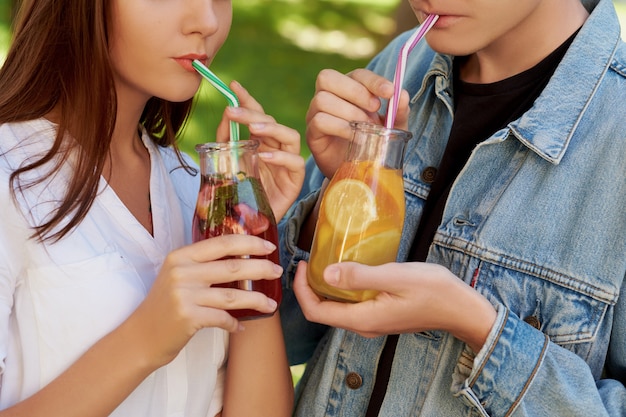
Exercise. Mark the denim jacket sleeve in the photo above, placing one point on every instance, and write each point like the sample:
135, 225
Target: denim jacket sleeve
549, 380
301, 336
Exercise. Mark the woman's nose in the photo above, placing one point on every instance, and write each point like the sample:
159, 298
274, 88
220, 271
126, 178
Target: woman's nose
200, 17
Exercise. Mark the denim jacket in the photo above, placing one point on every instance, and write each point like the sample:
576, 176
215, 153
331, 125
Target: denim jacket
535, 221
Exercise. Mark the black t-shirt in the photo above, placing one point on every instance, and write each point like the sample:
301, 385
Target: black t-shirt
480, 110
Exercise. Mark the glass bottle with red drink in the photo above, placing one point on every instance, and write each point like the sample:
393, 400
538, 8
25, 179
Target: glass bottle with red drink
231, 200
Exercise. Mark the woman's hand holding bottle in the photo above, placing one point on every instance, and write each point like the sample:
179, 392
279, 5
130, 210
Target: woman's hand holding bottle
281, 167
183, 299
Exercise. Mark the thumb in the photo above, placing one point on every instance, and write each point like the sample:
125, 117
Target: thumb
354, 276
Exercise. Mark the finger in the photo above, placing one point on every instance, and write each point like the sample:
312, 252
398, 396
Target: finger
331, 313
246, 116
243, 116
356, 276
246, 102
377, 85
232, 269
265, 129
245, 98
312, 306
324, 124
276, 136
226, 245
348, 88
292, 163
343, 108
307, 299
235, 299
215, 317
391, 278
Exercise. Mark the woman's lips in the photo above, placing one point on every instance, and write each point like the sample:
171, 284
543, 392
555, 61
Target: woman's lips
186, 61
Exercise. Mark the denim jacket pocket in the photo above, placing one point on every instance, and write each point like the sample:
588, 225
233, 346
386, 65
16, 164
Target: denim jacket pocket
568, 309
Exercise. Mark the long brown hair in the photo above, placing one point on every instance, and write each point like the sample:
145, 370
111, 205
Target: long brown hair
59, 59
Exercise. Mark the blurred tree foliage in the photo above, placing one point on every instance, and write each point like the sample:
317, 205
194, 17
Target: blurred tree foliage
275, 49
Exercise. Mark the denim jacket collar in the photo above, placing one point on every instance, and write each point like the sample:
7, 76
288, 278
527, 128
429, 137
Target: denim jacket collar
546, 138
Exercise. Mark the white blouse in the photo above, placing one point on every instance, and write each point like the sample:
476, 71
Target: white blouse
58, 299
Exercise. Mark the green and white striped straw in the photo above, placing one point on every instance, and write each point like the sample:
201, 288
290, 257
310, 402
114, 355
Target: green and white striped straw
222, 88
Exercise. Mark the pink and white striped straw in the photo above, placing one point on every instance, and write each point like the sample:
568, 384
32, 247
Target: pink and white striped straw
419, 33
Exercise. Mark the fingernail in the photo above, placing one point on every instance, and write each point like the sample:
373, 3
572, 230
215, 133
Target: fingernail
269, 245
272, 303
331, 275
278, 270
237, 84
235, 110
240, 327
266, 155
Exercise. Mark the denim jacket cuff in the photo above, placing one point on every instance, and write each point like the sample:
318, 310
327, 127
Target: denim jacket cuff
289, 231
497, 378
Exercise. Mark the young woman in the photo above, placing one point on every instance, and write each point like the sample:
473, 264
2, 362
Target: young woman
106, 308
512, 302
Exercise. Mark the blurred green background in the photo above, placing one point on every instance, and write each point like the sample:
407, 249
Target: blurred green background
277, 47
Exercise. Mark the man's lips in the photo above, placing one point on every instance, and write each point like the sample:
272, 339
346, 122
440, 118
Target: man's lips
445, 20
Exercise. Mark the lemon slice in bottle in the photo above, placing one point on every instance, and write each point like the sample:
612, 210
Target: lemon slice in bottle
349, 206
375, 249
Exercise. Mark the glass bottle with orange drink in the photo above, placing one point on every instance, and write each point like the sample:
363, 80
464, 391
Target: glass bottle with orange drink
362, 211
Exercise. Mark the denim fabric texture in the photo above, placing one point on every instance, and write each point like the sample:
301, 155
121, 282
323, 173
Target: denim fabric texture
535, 221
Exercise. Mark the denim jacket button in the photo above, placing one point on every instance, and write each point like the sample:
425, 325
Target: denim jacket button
429, 174
354, 380
533, 321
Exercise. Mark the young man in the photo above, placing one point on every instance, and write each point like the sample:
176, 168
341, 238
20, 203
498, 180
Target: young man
508, 298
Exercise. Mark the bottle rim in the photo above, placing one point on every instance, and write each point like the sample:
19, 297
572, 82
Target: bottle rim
248, 144
369, 127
